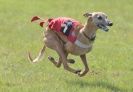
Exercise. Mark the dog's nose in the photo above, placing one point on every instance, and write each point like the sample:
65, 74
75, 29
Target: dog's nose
110, 24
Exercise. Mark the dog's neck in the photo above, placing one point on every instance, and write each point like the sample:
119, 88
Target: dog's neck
85, 35
89, 29
88, 32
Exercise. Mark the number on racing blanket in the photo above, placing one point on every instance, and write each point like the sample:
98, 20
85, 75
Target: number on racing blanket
66, 27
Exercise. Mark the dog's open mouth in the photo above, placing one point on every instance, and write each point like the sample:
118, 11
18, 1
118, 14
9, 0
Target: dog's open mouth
103, 27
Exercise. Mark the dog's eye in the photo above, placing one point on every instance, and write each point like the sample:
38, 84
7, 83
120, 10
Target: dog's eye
99, 17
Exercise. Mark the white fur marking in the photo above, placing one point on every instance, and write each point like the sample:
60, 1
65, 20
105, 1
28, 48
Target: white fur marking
82, 45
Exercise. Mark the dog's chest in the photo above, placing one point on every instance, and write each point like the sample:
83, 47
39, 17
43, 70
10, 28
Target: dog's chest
76, 50
81, 51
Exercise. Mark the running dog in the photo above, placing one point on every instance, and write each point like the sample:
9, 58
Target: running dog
69, 36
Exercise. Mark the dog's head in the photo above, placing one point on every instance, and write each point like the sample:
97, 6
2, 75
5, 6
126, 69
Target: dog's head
99, 19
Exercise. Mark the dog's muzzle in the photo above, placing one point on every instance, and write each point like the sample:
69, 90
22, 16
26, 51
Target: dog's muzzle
110, 24
105, 27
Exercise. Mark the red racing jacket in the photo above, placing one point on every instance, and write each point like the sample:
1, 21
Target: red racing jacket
64, 25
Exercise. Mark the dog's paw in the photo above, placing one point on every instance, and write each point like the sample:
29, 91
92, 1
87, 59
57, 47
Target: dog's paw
50, 58
83, 73
80, 74
71, 61
77, 71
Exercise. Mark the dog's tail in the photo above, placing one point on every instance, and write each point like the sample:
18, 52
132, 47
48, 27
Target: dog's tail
38, 57
39, 20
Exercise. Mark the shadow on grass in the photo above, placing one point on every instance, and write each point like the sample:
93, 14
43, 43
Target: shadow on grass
100, 84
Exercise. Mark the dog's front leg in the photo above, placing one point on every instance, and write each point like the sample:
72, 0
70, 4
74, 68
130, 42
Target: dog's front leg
83, 58
63, 55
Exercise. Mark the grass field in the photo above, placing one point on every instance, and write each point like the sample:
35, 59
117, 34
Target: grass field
110, 62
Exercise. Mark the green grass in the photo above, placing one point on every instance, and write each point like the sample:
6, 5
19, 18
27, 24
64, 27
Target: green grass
111, 60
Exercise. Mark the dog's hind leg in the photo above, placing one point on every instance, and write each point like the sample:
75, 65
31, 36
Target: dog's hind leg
63, 55
53, 41
39, 55
59, 62
56, 63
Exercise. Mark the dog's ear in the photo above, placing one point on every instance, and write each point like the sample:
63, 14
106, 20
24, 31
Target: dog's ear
90, 19
87, 14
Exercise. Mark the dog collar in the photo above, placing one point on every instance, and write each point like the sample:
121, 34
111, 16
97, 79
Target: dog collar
82, 45
91, 39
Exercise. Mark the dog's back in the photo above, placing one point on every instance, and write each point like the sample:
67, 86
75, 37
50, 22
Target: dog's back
56, 23
64, 25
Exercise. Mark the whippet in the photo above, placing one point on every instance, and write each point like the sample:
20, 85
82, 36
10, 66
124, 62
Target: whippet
66, 35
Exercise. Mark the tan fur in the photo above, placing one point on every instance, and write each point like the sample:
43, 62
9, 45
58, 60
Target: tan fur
63, 47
